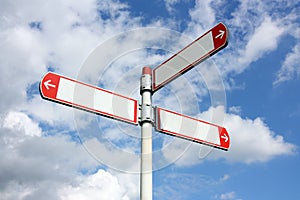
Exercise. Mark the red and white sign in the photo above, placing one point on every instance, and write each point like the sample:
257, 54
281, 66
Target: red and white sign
200, 49
189, 128
87, 97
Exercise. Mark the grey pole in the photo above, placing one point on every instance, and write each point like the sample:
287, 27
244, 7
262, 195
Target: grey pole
146, 135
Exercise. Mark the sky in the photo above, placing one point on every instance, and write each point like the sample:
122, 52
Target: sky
54, 152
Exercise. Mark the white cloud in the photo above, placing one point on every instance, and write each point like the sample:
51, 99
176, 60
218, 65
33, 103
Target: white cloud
111, 155
235, 110
23, 60
264, 39
129, 183
255, 30
169, 5
185, 185
21, 122
50, 167
225, 177
202, 14
101, 185
252, 28
67, 34
228, 196
253, 141
52, 113
290, 67
15, 191
35, 167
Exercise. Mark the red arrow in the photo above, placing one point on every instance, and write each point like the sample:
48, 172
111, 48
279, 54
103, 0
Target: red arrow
224, 138
49, 85
220, 36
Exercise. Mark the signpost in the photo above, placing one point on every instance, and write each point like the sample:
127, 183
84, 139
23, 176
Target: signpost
93, 99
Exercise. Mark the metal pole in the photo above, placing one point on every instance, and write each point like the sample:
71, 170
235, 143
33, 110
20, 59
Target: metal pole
146, 135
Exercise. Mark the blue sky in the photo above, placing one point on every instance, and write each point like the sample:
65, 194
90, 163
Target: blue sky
50, 151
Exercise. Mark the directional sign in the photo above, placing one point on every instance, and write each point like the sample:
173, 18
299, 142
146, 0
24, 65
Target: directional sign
200, 49
192, 129
90, 98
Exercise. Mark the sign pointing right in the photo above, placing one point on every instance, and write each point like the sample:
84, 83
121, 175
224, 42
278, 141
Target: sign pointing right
221, 34
204, 46
176, 124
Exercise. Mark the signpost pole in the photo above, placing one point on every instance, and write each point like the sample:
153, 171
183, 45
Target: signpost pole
146, 135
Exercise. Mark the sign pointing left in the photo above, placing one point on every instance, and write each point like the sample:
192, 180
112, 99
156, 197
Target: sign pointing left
80, 95
48, 84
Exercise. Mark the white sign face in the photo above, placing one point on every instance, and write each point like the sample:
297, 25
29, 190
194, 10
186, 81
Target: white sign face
192, 129
204, 46
90, 98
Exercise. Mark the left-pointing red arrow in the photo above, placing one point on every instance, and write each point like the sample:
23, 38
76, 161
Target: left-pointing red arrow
49, 85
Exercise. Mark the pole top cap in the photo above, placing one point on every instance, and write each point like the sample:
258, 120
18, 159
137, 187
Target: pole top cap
147, 70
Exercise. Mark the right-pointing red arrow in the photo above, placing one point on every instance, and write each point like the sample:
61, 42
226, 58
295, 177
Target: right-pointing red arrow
224, 138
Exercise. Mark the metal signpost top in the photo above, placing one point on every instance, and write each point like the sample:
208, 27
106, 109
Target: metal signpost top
93, 99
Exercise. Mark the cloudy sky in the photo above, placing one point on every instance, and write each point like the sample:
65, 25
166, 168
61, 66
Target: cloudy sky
52, 152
